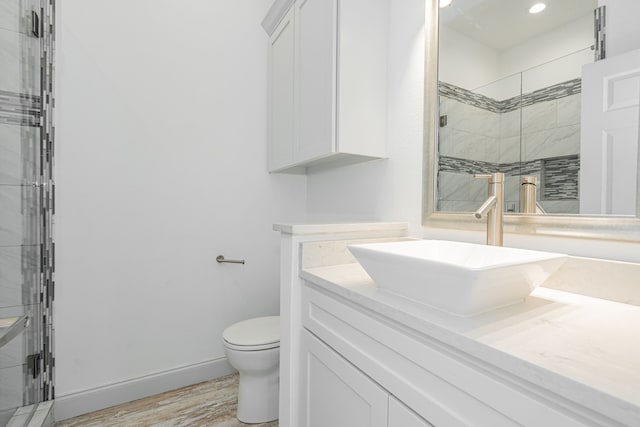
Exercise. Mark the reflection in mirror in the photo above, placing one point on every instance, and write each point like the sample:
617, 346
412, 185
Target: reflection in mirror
512, 92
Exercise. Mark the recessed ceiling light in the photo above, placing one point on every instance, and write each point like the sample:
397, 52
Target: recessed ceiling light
536, 8
445, 3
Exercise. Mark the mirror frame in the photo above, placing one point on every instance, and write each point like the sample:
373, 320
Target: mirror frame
621, 228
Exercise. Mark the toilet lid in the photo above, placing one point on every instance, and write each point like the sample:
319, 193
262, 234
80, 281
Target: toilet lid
254, 332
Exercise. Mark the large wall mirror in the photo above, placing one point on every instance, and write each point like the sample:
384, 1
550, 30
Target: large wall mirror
522, 90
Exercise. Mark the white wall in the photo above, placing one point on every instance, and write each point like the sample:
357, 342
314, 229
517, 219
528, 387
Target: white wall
161, 166
465, 62
544, 50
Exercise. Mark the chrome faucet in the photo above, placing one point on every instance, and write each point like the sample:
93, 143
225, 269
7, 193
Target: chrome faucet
528, 202
492, 208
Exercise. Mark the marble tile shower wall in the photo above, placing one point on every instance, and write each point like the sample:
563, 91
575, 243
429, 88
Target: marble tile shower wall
483, 135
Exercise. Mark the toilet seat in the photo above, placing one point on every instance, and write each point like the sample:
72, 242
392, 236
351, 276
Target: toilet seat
251, 347
261, 333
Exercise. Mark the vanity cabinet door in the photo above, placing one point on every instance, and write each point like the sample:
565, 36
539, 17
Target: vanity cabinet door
336, 393
401, 416
281, 114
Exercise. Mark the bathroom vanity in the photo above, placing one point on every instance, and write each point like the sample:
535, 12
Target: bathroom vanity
358, 355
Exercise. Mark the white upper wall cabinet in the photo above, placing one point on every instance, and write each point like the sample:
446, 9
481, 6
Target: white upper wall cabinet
280, 110
327, 83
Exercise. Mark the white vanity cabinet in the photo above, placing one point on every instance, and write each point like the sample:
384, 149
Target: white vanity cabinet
401, 416
327, 83
427, 381
337, 393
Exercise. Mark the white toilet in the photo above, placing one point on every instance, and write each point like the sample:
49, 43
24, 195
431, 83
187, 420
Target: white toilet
253, 348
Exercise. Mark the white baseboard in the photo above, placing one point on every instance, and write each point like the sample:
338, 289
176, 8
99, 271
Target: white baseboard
82, 402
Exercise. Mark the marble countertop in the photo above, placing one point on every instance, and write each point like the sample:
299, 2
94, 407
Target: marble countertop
585, 349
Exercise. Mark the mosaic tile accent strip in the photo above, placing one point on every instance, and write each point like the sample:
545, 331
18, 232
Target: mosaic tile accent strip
560, 90
468, 97
458, 165
19, 109
559, 176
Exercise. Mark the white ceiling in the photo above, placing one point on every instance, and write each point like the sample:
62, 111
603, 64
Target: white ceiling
501, 24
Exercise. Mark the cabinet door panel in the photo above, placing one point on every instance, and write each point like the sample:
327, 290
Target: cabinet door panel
281, 69
315, 22
336, 393
401, 416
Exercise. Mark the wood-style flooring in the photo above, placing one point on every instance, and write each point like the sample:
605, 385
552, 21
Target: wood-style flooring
208, 404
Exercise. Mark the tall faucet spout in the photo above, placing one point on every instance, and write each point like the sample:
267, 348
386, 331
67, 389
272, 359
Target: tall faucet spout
486, 207
492, 208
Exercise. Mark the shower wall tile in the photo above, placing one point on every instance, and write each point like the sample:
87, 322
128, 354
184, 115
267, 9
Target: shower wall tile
444, 104
569, 110
19, 275
19, 154
12, 383
492, 149
557, 91
473, 120
458, 206
465, 145
10, 11
19, 109
561, 206
550, 122
19, 63
15, 15
510, 124
458, 144
551, 143
15, 351
538, 117
478, 190
469, 97
19, 215
561, 178
512, 188
445, 141
509, 150
454, 186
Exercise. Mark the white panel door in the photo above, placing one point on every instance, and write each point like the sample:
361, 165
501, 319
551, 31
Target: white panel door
315, 78
281, 72
609, 135
401, 416
337, 394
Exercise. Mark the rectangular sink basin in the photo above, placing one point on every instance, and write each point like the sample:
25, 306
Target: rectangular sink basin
461, 278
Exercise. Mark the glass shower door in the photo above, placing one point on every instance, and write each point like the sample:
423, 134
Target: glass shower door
26, 248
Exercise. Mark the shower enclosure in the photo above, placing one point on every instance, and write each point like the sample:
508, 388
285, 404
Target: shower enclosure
26, 212
526, 124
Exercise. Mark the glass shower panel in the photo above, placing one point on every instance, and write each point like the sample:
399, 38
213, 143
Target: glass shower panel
25, 203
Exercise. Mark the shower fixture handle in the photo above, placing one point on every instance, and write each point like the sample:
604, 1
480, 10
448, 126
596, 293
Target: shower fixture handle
221, 258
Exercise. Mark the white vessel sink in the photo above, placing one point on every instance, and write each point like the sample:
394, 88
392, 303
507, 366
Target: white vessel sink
460, 278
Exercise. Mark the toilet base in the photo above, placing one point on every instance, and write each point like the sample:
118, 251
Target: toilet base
259, 383
258, 398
